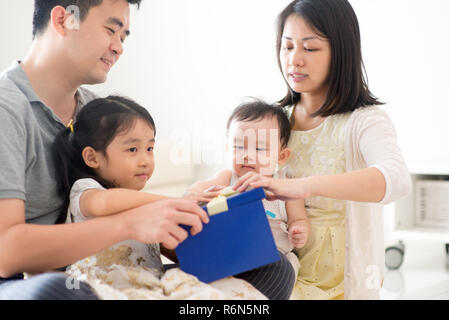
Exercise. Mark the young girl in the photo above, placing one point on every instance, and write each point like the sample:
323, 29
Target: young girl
253, 148
105, 158
345, 161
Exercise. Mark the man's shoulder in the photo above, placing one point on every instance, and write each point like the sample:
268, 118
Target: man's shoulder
12, 99
87, 95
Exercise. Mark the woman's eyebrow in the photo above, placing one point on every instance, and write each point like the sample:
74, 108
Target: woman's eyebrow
116, 21
303, 39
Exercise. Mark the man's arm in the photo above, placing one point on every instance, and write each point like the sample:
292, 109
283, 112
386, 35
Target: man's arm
40, 248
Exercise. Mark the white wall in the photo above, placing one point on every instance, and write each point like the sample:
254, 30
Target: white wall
406, 49
192, 62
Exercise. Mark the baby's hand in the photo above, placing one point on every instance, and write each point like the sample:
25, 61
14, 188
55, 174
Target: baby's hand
298, 233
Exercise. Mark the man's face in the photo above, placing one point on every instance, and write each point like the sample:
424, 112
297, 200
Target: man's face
97, 44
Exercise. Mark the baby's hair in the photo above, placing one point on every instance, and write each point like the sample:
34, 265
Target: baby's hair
96, 125
258, 109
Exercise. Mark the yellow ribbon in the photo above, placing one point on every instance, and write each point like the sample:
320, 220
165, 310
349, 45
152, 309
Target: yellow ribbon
219, 204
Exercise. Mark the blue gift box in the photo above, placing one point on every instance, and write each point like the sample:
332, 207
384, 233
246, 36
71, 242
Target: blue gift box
233, 242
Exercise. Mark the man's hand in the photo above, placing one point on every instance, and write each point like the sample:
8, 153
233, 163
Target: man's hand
159, 222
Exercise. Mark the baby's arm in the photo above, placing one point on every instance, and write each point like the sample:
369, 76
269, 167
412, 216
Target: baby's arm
97, 203
298, 223
205, 190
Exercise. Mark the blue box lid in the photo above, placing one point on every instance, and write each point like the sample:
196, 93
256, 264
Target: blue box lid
233, 242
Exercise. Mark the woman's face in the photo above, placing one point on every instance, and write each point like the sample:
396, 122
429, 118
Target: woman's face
305, 57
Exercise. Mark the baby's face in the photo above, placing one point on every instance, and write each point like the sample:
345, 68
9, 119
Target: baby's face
254, 146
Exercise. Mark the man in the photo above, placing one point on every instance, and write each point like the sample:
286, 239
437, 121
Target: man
76, 42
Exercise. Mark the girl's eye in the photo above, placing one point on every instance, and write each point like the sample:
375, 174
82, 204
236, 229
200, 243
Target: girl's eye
132, 149
287, 48
238, 147
261, 149
150, 149
310, 50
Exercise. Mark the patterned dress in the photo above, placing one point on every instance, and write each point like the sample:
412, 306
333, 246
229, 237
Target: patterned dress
320, 151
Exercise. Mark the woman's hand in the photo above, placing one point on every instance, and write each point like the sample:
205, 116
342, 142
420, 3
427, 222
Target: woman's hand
282, 189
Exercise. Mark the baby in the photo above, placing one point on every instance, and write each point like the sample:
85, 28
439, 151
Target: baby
257, 139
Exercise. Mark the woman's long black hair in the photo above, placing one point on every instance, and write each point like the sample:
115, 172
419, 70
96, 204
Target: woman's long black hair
336, 21
96, 125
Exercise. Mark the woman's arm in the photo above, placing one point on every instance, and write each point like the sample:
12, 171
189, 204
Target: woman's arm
97, 203
385, 178
366, 185
374, 145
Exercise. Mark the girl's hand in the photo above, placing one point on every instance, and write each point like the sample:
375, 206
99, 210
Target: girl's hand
282, 189
205, 196
298, 233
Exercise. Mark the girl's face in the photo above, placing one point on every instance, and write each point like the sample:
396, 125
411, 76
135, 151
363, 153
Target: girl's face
129, 159
305, 57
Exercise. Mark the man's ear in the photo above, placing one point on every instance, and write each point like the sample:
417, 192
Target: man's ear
284, 155
60, 20
90, 157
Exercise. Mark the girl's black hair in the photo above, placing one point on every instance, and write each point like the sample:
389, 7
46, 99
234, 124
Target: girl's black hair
96, 125
257, 109
336, 21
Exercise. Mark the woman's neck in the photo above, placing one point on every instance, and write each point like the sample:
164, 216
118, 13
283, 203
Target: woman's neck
309, 104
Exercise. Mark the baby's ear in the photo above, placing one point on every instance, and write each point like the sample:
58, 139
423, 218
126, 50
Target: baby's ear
284, 155
90, 157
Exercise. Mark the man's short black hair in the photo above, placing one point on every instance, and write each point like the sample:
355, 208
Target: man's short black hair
258, 110
43, 8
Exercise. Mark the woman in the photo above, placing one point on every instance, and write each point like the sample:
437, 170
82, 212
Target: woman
346, 162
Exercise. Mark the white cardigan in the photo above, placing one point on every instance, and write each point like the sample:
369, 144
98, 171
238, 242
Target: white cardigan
370, 141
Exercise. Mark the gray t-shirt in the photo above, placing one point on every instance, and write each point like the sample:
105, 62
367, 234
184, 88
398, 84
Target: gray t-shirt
28, 129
